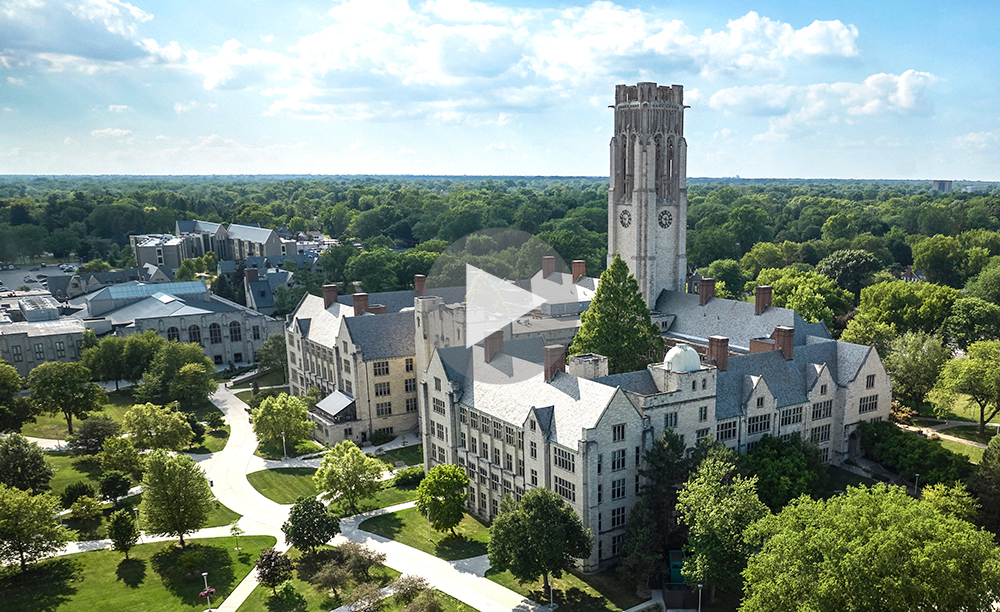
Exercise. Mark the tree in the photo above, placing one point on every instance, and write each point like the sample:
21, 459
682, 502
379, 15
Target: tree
366, 597
272, 355
359, 560
331, 577
29, 526
273, 568
74, 491
794, 288
617, 324
91, 434
986, 285
236, 531
976, 375
539, 535
867, 330
748, 224
106, 361
152, 426
176, 498
763, 256
407, 587
122, 531
640, 553
973, 319
717, 505
666, 467
872, 549
728, 271
426, 601
140, 351
158, 379
15, 411
851, 269
86, 508
954, 501
284, 413
914, 363
941, 259
114, 486
348, 475
192, 385
23, 464
57, 386
310, 525
120, 454
785, 470
986, 485
908, 306
441, 496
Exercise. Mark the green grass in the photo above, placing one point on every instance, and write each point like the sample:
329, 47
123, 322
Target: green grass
971, 432
273, 450
577, 592
70, 468
96, 529
156, 578
410, 527
246, 395
271, 379
410, 455
283, 485
974, 453
840, 479
215, 440
927, 422
389, 496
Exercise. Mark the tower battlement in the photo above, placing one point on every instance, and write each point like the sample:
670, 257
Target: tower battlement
649, 92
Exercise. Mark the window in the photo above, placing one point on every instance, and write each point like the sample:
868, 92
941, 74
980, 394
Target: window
565, 459
15, 352
485, 454
235, 332
822, 410
670, 420
822, 389
348, 388
703, 413
751, 446
600, 522
694, 385
760, 402
383, 409
600, 544
39, 352
520, 467
618, 460
439, 431
867, 404
60, 349
870, 381
463, 415
380, 368
790, 416
520, 440
410, 385
617, 517
600, 460
566, 489
725, 431
194, 334
496, 507
217, 359
600, 496
472, 445
508, 462
437, 383
173, 335
704, 383
636, 484
347, 432
238, 357
825, 453
345, 347
617, 544
508, 436
638, 456
382, 389
618, 432
701, 434
496, 455
534, 450
215, 333
438, 405
495, 482
497, 430
759, 423
409, 364
347, 366
531, 424
474, 421
486, 425
820, 434
534, 478
411, 404
256, 332
618, 489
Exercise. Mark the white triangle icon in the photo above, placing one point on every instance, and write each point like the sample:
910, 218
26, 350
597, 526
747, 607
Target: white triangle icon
492, 303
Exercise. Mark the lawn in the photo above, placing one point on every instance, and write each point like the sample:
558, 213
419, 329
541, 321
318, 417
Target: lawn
840, 479
158, 577
974, 453
271, 379
389, 496
273, 449
410, 455
577, 592
971, 432
410, 527
71, 468
215, 440
283, 485
246, 395
96, 529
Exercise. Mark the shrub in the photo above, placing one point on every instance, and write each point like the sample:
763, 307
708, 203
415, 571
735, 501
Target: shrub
381, 437
215, 420
408, 477
408, 587
75, 491
86, 508
906, 454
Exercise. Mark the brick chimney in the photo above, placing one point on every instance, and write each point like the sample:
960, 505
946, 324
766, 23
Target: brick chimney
360, 303
718, 350
555, 360
784, 340
420, 284
762, 299
706, 290
548, 265
329, 295
492, 345
378, 309
251, 275
579, 269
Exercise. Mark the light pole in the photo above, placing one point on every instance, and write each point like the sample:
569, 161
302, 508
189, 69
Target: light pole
136, 512
699, 596
916, 485
208, 594
284, 449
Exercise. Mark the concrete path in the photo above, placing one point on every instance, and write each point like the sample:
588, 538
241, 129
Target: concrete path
48, 444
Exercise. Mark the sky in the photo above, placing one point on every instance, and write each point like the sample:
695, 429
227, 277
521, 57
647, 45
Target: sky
835, 89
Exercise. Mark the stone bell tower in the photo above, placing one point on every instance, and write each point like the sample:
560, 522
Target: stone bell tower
647, 200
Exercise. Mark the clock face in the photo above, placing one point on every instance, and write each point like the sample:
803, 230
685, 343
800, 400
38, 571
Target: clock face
665, 219
625, 218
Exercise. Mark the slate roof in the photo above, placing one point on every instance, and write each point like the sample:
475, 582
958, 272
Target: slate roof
318, 324
163, 305
249, 232
227, 267
394, 301
640, 382
384, 336
456, 358
197, 227
59, 284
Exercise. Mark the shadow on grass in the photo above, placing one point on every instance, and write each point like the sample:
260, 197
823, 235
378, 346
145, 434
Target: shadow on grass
132, 572
293, 602
41, 588
454, 547
386, 525
181, 570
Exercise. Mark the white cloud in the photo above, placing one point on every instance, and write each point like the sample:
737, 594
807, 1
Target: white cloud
978, 140
499, 146
111, 133
405, 151
181, 107
119, 108
162, 137
268, 39
69, 141
8, 109
16, 81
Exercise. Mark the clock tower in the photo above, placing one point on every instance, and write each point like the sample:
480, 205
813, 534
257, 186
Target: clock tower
647, 199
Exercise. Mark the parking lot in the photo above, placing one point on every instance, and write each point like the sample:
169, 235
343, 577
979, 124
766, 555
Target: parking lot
12, 279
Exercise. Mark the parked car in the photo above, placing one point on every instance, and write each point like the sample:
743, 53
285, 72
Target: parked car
41, 276
29, 279
35, 269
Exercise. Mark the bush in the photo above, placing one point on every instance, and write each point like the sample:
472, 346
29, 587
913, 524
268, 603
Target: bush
427, 601
906, 454
287, 599
91, 434
86, 508
196, 428
408, 477
381, 437
407, 587
75, 491
215, 420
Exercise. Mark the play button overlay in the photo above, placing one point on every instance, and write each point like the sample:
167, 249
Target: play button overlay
493, 303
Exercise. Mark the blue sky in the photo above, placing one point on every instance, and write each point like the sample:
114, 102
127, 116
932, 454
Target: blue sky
777, 89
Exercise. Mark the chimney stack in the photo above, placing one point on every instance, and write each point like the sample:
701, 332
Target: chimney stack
718, 351
251, 275
378, 309
420, 284
706, 290
492, 345
579, 269
548, 265
329, 295
555, 360
360, 303
784, 340
762, 299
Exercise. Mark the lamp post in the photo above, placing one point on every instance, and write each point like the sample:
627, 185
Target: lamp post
916, 485
699, 596
208, 594
136, 512
284, 449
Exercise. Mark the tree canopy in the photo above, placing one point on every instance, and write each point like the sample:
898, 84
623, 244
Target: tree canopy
29, 526
310, 525
23, 464
441, 496
348, 476
283, 413
61, 387
176, 498
150, 426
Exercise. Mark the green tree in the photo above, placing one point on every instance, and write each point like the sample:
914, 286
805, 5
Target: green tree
273, 355
914, 363
839, 227
186, 271
310, 525
954, 501
908, 306
973, 319
114, 486
284, 413
192, 385
335, 219
785, 470
176, 498
151, 426
158, 380
91, 434
29, 526
617, 324
851, 269
273, 568
640, 555
986, 485
86, 509
140, 351
106, 361
986, 285
408, 587
120, 454
441, 496
23, 464
330, 578
335, 260
942, 260
122, 531
348, 475
537, 536
866, 330
15, 411
762, 256
74, 491
873, 549
787, 283
748, 224
728, 271
717, 505
374, 269
666, 466
57, 386
977, 375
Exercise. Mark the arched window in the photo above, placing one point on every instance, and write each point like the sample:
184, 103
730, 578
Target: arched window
215, 333
173, 334
194, 334
235, 332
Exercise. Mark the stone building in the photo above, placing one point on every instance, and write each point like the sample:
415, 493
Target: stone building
26, 345
193, 239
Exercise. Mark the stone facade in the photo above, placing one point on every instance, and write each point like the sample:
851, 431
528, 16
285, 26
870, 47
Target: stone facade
27, 345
